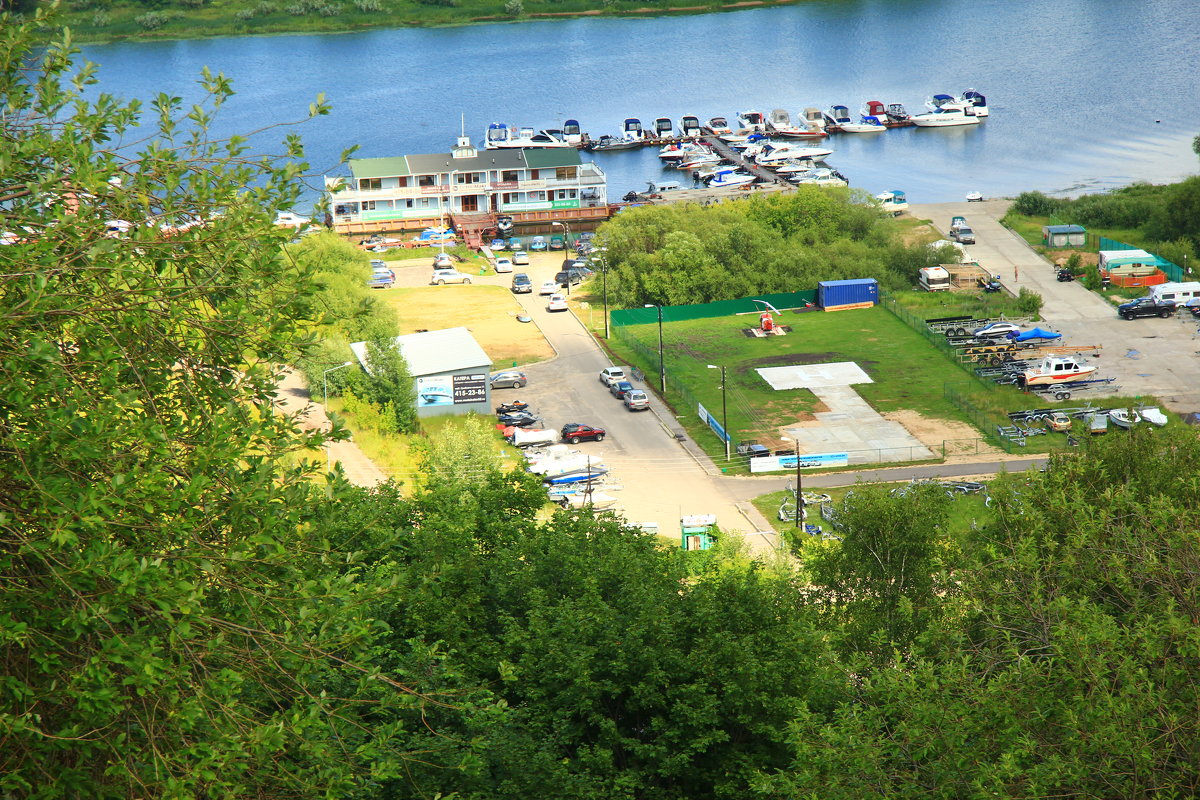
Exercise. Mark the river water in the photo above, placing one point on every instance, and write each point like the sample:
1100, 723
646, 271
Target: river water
1084, 94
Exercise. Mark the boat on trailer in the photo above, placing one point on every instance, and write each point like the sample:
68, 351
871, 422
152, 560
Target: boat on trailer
1058, 369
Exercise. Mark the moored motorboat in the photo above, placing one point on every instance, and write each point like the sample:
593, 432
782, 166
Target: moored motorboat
943, 118
836, 117
610, 143
752, 121
794, 166
778, 154
678, 152
897, 114
814, 119
867, 124
663, 128
729, 178
631, 130
689, 127
780, 124
1057, 369
821, 176
572, 133
501, 136
978, 103
719, 126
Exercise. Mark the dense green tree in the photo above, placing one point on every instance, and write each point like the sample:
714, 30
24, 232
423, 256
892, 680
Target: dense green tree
1065, 663
164, 609
389, 384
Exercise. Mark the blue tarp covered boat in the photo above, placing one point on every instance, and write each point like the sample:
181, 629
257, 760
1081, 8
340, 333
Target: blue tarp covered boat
1036, 333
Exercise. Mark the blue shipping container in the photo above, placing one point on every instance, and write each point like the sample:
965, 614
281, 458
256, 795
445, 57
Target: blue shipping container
844, 293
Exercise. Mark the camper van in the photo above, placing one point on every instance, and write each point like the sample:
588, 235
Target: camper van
1177, 293
934, 279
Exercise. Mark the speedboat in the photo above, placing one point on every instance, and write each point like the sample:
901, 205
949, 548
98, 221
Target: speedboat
500, 136
571, 132
978, 103
678, 152
778, 154
728, 178
1152, 415
695, 162
867, 124
837, 116
943, 118
814, 119
1057, 369
822, 176
752, 121
873, 108
1123, 417
719, 126
797, 165
898, 114
689, 127
610, 143
632, 130
663, 128
781, 125
504, 226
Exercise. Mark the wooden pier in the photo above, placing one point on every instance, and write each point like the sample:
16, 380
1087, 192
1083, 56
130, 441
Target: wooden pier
729, 154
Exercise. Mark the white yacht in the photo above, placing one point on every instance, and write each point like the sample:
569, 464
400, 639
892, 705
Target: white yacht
728, 178
719, 126
944, 117
632, 130
752, 121
501, 136
779, 154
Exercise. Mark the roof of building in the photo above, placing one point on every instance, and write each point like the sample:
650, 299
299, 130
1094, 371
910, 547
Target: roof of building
432, 163
1065, 229
433, 352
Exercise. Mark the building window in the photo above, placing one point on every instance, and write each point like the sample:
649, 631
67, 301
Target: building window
469, 177
367, 184
426, 180
368, 205
402, 181
510, 175
535, 196
565, 173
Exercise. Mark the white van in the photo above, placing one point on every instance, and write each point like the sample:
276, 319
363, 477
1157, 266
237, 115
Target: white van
1177, 293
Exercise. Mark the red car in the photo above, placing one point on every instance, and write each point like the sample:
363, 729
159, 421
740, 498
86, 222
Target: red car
576, 432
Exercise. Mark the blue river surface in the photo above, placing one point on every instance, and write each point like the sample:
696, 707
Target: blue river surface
1085, 95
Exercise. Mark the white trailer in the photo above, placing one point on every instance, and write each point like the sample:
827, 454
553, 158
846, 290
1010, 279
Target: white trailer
934, 279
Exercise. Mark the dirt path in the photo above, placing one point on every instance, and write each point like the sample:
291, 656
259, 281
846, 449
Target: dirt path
293, 398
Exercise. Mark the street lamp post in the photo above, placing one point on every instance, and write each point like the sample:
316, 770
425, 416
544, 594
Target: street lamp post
325, 399
662, 365
724, 408
799, 485
566, 247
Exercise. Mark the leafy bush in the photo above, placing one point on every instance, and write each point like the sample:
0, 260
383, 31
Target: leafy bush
1029, 302
365, 6
1035, 204
101, 19
152, 20
244, 14
514, 8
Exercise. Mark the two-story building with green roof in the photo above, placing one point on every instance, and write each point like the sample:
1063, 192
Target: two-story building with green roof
408, 192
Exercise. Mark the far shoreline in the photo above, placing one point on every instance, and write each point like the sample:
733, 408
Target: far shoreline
199, 30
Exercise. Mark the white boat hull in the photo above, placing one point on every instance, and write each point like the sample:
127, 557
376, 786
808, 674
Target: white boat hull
731, 181
943, 120
858, 127
1036, 378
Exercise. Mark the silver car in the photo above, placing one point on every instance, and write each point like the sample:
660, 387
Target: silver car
444, 276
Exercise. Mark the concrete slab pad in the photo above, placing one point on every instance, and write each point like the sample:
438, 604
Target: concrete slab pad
814, 376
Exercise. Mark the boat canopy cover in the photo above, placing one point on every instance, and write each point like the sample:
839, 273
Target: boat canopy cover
874, 107
871, 119
1036, 333
757, 137
942, 97
571, 126
975, 97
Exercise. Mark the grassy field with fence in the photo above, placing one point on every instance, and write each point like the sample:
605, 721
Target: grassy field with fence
907, 372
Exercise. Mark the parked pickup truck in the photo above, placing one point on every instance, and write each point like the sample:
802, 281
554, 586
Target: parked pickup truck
1146, 307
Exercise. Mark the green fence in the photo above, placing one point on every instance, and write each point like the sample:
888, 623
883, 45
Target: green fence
1172, 271
720, 308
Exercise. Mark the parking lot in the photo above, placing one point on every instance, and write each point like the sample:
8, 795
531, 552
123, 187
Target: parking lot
659, 480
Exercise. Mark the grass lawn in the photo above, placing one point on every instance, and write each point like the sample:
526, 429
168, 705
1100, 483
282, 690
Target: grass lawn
908, 373
930, 305
489, 312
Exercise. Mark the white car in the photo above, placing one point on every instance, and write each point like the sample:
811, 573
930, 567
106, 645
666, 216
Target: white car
557, 302
997, 330
520, 258
444, 276
503, 265
611, 375
548, 288
443, 261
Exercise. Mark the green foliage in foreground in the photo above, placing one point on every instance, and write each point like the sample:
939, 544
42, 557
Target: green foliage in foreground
683, 253
184, 616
